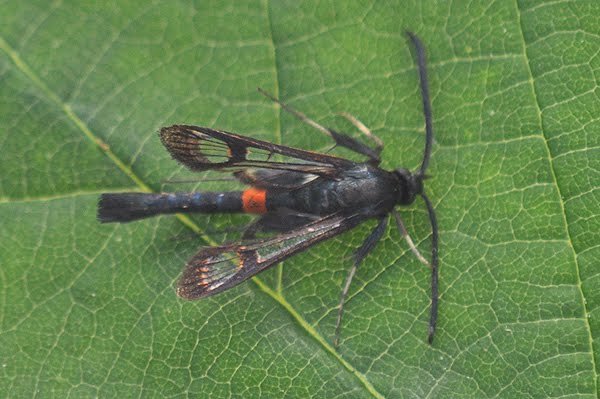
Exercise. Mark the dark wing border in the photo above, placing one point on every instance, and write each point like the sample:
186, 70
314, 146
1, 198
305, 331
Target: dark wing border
216, 269
201, 148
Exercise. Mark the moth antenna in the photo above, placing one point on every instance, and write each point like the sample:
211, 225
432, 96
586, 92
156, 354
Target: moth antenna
420, 50
434, 268
420, 174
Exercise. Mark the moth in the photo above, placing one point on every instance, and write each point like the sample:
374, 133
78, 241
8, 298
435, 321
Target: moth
301, 197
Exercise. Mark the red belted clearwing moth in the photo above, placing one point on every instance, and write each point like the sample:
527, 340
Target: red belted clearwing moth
305, 197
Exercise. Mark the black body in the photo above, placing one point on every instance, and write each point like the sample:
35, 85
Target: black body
304, 197
365, 187
126, 207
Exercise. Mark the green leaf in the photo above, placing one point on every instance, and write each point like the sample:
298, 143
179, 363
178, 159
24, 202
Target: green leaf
89, 310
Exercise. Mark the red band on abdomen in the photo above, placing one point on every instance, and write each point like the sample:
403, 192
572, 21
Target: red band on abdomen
254, 201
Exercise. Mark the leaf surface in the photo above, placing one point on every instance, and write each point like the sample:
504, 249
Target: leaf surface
89, 310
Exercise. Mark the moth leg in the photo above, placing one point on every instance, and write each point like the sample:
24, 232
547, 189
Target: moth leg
280, 221
251, 229
367, 246
409, 240
341, 139
364, 130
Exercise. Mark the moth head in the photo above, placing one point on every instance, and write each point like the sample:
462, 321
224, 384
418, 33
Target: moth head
410, 184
